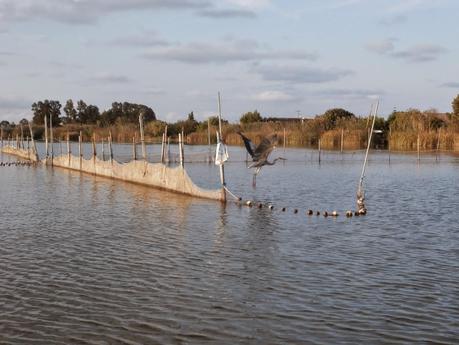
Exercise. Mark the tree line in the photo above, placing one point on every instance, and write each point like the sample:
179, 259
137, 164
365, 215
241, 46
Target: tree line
88, 114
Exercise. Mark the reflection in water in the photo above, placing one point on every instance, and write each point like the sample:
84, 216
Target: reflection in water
89, 260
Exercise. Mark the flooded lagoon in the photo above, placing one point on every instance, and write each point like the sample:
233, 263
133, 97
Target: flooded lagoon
89, 260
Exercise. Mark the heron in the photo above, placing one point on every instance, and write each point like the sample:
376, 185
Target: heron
260, 153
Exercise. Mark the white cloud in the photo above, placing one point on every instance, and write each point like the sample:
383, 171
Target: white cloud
85, 11
274, 96
109, 78
350, 93
227, 13
232, 50
254, 4
420, 53
301, 74
451, 84
417, 53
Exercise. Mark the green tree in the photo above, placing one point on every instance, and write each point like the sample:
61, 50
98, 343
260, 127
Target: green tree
47, 108
70, 111
332, 116
251, 117
127, 113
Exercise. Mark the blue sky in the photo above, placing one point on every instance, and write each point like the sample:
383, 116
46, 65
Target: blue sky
280, 57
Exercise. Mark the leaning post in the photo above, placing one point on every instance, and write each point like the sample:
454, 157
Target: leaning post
94, 151
33, 143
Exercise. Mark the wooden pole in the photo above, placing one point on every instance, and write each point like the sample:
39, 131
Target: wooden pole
342, 140
94, 151
110, 147
183, 149
162, 148
51, 138
102, 144
134, 149
1, 135
165, 141
80, 151
219, 140
362, 176
33, 142
168, 157
22, 137
208, 141
142, 138
438, 144
69, 151
180, 149
60, 147
319, 151
46, 138
390, 141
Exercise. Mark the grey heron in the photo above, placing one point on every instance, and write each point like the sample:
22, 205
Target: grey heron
260, 153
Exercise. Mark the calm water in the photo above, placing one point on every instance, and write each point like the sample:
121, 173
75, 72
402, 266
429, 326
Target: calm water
88, 260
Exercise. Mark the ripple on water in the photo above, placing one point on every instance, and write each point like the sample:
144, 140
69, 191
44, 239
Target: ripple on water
87, 260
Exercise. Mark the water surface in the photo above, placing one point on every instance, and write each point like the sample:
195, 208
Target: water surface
89, 260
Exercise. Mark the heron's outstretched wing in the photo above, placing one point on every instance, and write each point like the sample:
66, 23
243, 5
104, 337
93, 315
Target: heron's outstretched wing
265, 147
248, 144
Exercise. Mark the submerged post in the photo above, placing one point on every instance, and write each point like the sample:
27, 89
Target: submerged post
22, 137
134, 149
34, 147
69, 151
46, 138
390, 140
94, 151
110, 147
168, 157
142, 138
162, 149
80, 152
51, 138
165, 141
208, 140
102, 144
180, 149
319, 149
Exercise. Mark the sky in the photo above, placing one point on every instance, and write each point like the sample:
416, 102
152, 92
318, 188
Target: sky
284, 58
